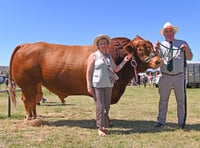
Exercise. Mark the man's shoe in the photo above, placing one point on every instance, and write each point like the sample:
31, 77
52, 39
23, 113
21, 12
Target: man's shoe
111, 125
158, 125
181, 126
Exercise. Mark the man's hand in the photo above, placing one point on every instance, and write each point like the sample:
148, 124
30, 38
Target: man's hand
156, 45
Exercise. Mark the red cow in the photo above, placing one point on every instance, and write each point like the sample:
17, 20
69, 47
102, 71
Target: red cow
62, 69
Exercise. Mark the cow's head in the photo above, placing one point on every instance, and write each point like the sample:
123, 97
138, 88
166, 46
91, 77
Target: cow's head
141, 50
143, 53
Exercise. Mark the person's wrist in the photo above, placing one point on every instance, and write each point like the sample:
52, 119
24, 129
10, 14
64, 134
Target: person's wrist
120, 65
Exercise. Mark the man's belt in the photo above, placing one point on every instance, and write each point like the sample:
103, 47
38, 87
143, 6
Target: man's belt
172, 74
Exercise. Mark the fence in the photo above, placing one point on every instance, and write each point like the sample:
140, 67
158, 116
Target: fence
9, 103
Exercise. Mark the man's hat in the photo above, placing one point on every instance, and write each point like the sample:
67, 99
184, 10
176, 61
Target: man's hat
168, 25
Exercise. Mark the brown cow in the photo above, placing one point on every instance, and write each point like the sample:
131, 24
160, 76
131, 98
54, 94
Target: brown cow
62, 69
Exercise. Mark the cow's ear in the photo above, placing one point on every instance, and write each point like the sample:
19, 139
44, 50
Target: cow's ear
129, 49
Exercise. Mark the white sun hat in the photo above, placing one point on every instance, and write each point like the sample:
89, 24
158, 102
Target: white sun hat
168, 25
101, 36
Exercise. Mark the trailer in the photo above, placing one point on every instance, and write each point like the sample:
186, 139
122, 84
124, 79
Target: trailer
193, 74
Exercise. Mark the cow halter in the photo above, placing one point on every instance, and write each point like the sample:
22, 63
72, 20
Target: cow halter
134, 65
151, 55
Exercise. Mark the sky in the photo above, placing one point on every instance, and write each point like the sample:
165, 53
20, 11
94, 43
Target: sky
78, 22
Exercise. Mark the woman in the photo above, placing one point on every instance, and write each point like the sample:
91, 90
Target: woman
98, 81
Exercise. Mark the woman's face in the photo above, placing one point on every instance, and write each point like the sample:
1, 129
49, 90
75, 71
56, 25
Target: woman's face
169, 34
103, 45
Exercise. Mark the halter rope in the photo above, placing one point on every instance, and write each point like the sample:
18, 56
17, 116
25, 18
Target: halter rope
165, 56
134, 65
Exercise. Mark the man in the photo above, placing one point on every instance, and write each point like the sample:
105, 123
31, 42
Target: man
174, 53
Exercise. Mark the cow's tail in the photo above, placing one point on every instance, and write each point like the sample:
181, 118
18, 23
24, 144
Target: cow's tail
11, 85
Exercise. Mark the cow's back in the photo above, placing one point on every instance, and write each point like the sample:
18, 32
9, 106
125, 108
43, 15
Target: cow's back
59, 68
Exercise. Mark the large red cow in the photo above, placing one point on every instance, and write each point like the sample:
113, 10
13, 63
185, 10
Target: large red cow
62, 69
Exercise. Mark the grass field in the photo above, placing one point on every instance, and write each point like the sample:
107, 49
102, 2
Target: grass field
73, 124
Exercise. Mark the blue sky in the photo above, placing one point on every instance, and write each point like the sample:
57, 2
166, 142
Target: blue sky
78, 22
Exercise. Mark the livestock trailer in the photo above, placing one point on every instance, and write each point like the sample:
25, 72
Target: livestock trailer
193, 74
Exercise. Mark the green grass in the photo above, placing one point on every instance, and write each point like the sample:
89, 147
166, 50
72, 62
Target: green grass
73, 124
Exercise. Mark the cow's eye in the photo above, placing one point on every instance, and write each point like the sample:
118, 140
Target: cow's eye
140, 49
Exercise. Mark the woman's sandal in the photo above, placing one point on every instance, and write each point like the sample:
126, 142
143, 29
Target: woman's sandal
102, 132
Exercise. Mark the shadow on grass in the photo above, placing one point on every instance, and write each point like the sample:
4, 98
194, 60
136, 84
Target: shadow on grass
54, 104
126, 126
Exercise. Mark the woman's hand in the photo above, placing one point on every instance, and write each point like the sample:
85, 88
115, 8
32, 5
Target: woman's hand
127, 58
90, 90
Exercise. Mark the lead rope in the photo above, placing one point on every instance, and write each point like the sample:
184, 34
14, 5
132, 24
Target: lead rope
185, 92
134, 65
164, 56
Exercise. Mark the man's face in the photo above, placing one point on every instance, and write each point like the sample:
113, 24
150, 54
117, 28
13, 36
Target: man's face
169, 34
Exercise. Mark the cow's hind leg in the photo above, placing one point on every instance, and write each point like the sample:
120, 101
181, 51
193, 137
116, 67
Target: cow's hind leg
39, 93
29, 98
62, 99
